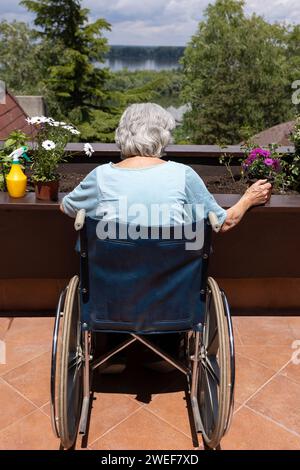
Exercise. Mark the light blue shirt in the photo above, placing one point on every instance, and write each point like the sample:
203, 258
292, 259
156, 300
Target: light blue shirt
164, 194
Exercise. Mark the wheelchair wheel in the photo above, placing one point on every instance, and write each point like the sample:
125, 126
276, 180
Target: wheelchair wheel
216, 368
70, 389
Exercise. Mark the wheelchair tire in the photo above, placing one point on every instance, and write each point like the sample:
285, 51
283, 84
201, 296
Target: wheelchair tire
70, 386
216, 369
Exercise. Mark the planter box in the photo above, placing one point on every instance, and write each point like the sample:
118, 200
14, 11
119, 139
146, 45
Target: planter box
258, 263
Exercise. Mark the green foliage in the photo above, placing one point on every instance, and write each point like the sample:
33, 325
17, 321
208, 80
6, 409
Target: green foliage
235, 75
125, 88
237, 72
161, 87
75, 87
50, 139
15, 140
292, 39
101, 126
294, 173
58, 19
226, 160
20, 58
74, 84
282, 170
60, 59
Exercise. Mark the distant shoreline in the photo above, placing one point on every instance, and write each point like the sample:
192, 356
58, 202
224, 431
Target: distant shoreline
158, 53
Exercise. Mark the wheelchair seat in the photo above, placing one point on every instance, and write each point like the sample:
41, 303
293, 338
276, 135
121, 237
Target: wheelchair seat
144, 285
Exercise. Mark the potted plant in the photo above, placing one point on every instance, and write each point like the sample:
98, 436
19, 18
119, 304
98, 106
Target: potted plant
49, 141
263, 163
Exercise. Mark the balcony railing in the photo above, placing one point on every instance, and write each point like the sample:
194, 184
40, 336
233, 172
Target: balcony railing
201, 152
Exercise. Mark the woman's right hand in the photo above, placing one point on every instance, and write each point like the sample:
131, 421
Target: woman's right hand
259, 193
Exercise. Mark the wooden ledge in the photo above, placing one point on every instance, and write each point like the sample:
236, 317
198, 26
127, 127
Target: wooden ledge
29, 202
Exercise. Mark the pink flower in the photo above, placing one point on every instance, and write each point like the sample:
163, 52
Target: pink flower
259, 152
268, 161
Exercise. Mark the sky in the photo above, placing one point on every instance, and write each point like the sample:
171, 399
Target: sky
158, 22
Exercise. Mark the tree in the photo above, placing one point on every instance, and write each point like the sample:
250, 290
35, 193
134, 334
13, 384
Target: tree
235, 76
20, 64
293, 62
77, 89
75, 83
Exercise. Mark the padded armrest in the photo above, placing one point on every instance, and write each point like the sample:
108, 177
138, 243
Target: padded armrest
214, 222
79, 221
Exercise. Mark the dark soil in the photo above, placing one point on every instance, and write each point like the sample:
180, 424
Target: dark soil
69, 181
215, 184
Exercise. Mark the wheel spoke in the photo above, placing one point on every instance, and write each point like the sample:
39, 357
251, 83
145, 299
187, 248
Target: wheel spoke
212, 400
74, 361
211, 337
208, 414
202, 398
212, 366
74, 387
207, 319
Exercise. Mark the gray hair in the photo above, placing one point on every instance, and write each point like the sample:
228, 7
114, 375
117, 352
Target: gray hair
144, 129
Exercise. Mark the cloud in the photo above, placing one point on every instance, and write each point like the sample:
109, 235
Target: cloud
10, 10
149, 22
276, 10
158, 22
172, 22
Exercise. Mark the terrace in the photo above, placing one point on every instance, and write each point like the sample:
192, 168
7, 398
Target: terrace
140, 410
262, 282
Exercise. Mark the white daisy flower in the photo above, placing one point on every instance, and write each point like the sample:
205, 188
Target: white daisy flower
37, 120
88, 149
68, 128
74, 131
51, 121
48, 145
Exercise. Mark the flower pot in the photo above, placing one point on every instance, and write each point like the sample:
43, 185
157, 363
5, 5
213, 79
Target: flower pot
270, 179
46, 190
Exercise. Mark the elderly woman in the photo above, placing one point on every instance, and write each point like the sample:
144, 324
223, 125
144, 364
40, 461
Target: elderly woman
142, 177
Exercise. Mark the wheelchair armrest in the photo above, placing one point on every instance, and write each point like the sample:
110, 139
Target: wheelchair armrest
214, 222
79, 221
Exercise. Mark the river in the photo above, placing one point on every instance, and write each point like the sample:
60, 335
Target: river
149, 64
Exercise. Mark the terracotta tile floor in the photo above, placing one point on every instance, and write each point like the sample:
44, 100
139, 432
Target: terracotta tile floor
147, 410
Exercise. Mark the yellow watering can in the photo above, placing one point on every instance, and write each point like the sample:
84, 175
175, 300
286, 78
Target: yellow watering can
16, 180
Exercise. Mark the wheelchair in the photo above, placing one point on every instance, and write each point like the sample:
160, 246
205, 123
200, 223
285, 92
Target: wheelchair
143, 287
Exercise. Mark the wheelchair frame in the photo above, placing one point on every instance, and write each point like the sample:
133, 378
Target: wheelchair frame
209, 361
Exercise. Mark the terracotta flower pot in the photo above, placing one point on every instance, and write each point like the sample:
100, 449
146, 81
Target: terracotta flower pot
46, 190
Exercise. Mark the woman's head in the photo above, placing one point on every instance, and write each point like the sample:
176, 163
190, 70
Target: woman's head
144, 129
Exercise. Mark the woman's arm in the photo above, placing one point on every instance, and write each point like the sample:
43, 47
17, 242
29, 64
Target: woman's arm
84, 196
259, 193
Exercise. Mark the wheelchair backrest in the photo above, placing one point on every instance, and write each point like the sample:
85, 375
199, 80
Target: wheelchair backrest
151, 284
